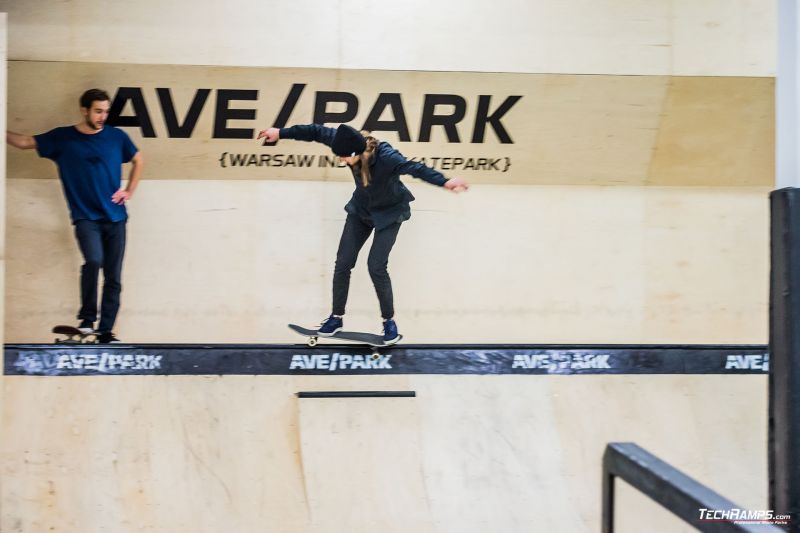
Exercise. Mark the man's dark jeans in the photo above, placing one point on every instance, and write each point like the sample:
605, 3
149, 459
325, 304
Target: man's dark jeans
102, 244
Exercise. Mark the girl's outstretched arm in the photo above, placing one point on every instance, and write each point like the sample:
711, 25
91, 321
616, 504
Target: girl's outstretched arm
305, 132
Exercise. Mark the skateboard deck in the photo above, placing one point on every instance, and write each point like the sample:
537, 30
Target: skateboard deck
370, 339
73, 335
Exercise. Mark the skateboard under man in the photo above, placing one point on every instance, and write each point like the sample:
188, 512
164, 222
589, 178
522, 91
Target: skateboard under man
74, 336
370, 339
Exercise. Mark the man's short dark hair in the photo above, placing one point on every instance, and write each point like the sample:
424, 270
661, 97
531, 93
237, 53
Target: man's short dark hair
93, 95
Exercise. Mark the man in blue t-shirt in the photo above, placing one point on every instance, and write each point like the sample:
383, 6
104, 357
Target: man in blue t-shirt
89, 156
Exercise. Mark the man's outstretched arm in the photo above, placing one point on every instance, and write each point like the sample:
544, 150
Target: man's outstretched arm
23, 142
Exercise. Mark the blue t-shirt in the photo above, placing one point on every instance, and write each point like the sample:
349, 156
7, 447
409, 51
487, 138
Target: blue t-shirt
90, 167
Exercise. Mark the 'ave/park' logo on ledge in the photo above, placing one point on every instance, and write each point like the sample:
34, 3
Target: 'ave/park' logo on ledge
51, 360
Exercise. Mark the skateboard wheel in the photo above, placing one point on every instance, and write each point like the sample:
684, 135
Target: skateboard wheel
312, 341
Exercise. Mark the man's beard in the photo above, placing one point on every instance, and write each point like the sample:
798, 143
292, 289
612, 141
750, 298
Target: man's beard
93, 126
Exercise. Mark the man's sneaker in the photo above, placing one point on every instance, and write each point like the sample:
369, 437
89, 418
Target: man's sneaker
330, 326
106, 337
390, 334
86, 326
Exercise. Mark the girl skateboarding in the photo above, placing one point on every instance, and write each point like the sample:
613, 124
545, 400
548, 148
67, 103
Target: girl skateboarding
380, 202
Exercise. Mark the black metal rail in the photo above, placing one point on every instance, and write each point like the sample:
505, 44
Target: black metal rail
671, 488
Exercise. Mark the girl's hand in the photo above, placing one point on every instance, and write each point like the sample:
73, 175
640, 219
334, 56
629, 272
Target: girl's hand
456, 185
271, 135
